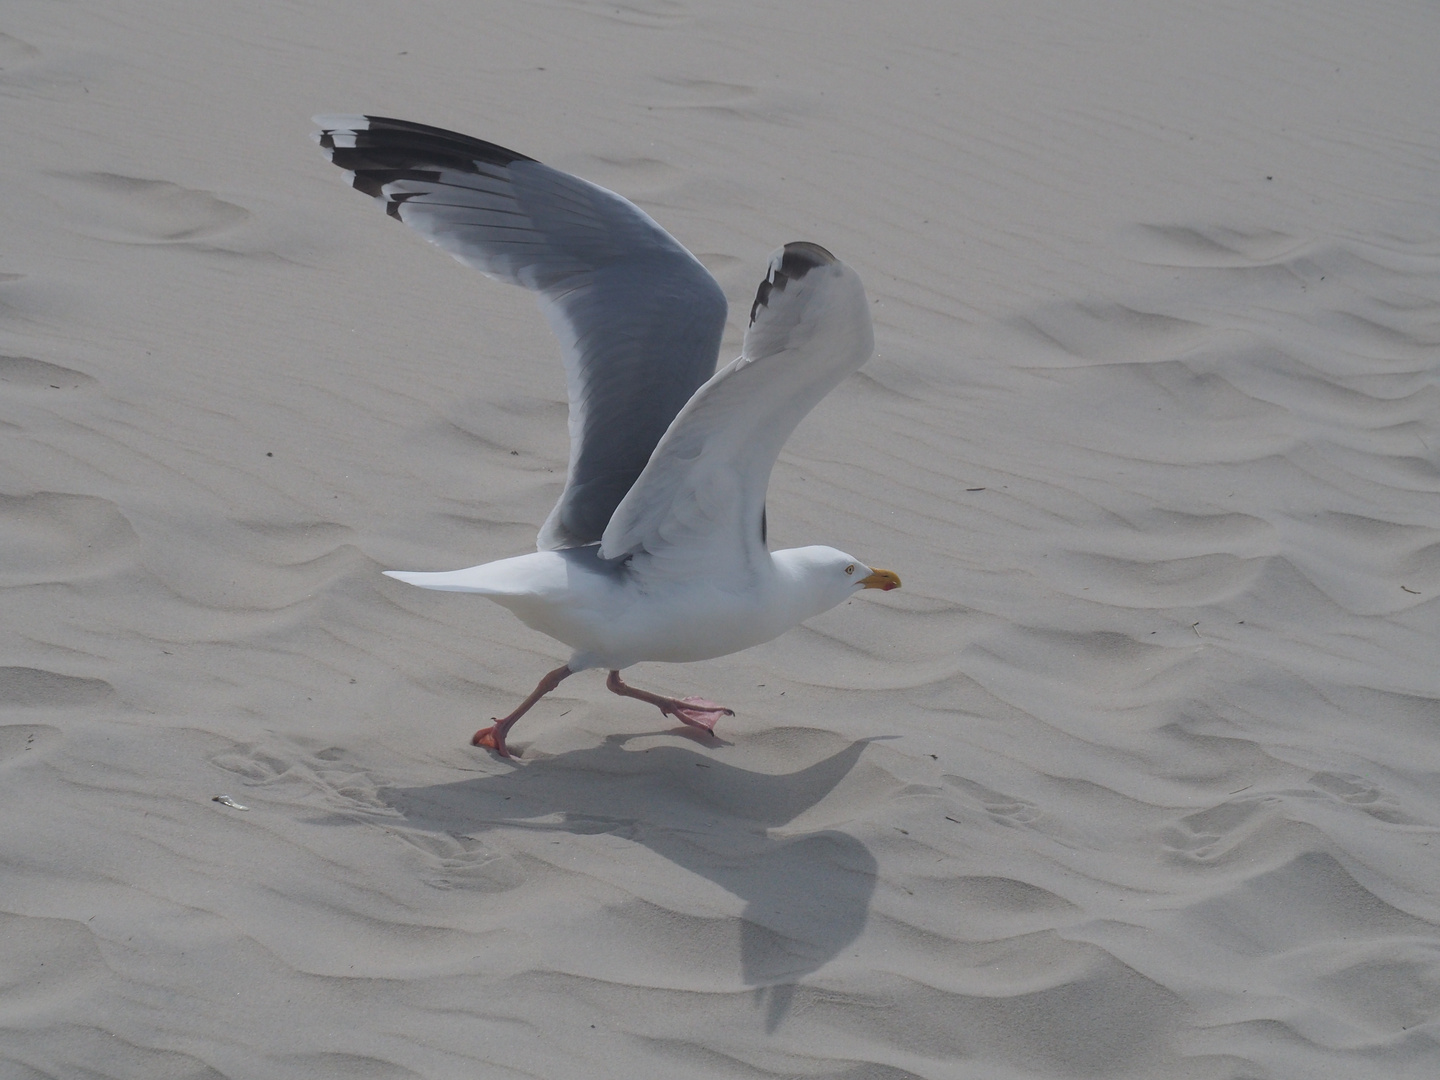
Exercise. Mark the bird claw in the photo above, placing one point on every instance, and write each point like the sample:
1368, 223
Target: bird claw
697, 712
492, 738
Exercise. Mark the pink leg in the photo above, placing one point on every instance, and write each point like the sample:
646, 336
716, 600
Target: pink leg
494, 736
697, 712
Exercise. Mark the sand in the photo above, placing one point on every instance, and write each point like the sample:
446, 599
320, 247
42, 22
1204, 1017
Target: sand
1136, 777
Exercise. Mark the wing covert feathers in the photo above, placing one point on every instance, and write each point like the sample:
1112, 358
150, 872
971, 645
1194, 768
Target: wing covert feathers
700, 503
639, 318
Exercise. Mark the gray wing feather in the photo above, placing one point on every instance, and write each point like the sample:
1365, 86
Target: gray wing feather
639, 317
698, 509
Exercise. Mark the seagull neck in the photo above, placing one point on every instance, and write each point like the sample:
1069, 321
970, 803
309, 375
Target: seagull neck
804, 591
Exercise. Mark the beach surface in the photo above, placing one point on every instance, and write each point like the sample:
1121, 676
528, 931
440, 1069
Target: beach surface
1137, 776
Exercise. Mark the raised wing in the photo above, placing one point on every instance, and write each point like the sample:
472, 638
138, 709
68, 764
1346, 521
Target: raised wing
638, 316
698, 509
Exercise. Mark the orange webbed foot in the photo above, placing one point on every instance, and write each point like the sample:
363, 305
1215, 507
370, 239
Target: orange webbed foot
492, 738
697, 712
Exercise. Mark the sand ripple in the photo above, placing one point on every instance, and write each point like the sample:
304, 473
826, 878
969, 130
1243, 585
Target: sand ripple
1136, 777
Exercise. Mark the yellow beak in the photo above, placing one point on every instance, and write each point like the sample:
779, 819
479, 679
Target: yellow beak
881, 579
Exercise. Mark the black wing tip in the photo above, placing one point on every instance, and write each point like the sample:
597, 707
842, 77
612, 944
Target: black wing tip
802, 256
790, 263
408, 134
379, 149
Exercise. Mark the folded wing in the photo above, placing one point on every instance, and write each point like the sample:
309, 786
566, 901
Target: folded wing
698, 508
638, 316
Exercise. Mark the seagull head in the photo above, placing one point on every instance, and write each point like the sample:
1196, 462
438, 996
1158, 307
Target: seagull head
821, 577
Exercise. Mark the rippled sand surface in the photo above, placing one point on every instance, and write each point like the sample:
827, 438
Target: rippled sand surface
1136, 777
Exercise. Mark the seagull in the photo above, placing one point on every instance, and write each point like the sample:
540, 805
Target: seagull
657, 549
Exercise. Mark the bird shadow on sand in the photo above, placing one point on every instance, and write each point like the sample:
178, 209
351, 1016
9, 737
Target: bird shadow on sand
806, 894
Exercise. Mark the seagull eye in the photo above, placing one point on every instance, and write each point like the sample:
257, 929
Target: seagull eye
850, 569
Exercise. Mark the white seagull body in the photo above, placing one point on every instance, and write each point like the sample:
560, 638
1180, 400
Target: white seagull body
656, 549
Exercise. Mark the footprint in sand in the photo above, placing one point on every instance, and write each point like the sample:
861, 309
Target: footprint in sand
463, 862
1002, 809
1363, 795
1208, 836
457, 860
327, 771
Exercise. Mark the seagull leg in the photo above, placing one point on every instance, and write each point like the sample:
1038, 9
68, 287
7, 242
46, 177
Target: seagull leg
697, 712
494, 736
